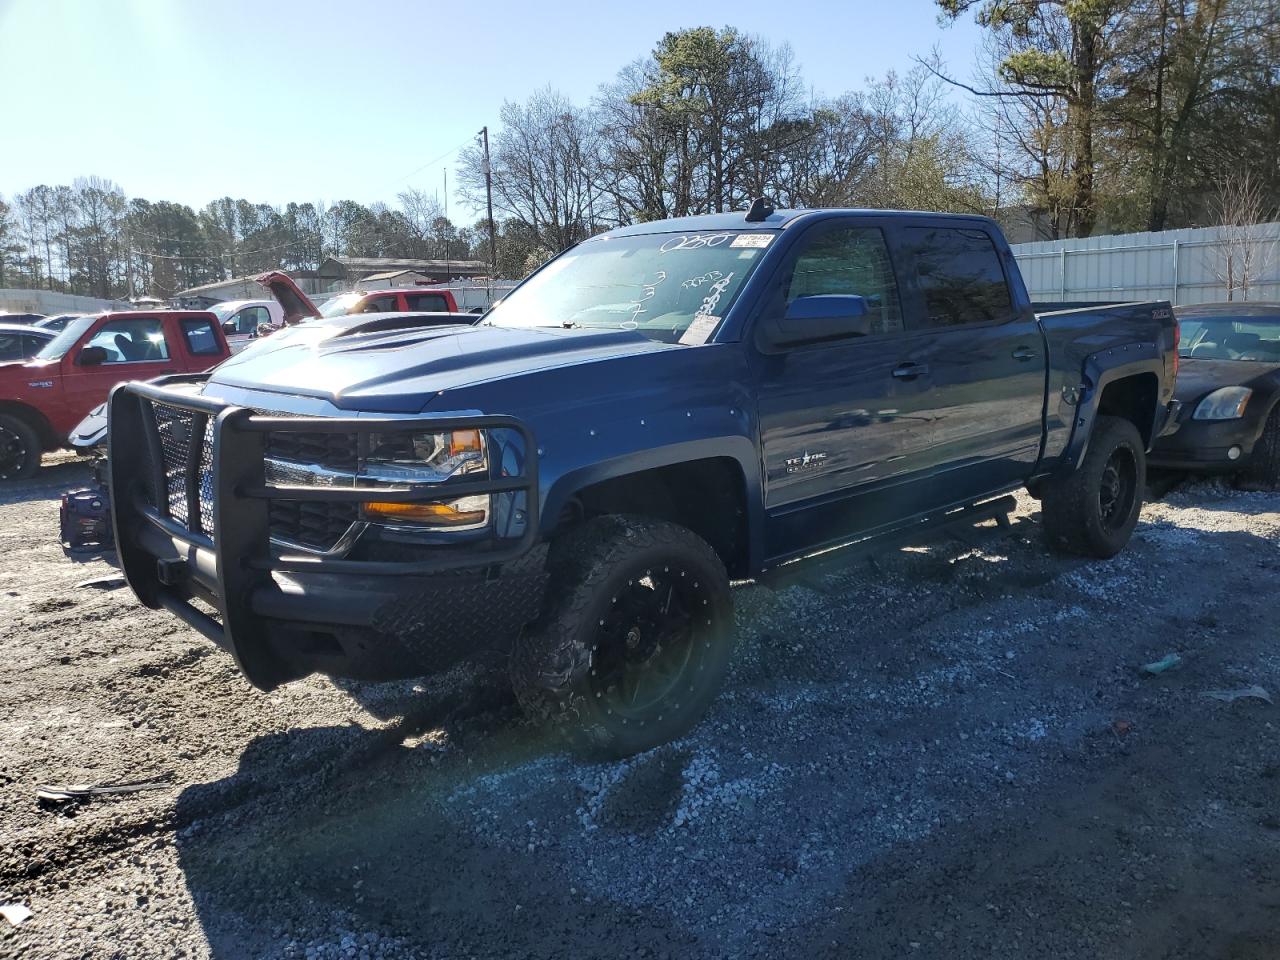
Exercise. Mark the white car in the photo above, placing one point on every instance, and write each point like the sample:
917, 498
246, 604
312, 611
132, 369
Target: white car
243, 320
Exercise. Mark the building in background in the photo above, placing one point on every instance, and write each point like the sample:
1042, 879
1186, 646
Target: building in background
49, 303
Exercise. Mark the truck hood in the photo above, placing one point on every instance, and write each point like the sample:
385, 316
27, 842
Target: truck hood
1197, 378
361, 363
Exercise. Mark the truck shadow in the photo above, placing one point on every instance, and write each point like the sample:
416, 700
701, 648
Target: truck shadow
375, 843
461, 831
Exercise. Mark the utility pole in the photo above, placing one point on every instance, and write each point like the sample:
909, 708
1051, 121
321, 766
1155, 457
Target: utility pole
488, 189
448, 277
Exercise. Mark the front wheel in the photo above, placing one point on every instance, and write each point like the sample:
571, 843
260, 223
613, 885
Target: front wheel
1263, 470
20, 449
634, 645
1093, 511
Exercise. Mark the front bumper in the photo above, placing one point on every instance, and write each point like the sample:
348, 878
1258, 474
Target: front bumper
1204, 445
193, 534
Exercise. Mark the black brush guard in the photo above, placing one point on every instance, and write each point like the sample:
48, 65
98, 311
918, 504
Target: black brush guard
232, 566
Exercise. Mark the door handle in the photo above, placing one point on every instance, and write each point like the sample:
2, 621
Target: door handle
1024, 353
909, 371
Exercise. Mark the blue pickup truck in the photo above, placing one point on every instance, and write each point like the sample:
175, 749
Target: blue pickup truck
655, 412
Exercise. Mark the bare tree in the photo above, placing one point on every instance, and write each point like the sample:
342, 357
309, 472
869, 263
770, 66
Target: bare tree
1242, 257
543, 176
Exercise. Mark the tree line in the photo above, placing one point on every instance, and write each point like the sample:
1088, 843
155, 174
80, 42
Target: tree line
89, 238
1080, 117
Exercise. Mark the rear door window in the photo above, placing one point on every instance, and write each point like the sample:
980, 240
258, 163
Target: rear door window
429, 302
959, 276
201, 339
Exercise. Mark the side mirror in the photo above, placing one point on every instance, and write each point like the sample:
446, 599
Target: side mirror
825, 317
92, 356
229, 326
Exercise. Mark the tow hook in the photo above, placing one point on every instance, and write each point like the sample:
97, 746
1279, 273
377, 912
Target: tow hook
172, 571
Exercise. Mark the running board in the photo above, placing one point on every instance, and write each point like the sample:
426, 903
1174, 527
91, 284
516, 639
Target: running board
957, 524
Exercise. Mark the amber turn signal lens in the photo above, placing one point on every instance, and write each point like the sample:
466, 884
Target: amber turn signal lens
464, 441
433, 514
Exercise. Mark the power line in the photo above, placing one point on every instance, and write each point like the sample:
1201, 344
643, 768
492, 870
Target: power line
431, 163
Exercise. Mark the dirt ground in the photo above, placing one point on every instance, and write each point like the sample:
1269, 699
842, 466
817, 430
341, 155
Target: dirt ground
948, 752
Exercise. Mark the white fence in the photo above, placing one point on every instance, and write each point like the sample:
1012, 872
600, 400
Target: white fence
14, 300
1182, 266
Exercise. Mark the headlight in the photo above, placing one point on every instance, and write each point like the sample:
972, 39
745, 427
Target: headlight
1225, 404
426, 458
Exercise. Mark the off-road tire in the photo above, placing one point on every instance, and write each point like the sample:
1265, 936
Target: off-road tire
554, 663
19, 436
1075, 518
1263, 469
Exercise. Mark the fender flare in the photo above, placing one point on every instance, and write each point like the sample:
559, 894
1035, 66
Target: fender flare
1100, 370
739, 449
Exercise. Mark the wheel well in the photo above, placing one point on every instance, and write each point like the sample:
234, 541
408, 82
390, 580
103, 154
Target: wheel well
706, 496
33, 417
1134, 399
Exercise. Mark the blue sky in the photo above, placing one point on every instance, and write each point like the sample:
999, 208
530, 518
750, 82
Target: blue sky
278, 100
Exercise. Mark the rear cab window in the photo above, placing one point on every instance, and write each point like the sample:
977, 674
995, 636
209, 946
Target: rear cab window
958, 274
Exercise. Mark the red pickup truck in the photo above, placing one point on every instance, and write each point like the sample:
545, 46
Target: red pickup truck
43, 398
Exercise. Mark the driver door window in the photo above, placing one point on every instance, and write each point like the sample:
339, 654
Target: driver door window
850, 261
248, 319
136, 340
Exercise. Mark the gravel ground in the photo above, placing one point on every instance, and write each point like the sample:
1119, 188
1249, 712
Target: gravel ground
948, 752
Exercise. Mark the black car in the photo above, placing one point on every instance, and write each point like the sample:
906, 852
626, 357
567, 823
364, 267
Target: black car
21, 342
1228, 387
20, 318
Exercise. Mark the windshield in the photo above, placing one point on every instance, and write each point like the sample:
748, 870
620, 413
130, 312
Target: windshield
223, 311
57, 348
1231, 338
339, 306
656, 284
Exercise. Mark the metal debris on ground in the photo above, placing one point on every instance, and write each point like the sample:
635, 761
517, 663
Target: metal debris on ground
58, 793
112, 581
16, 913
1167, 662
1255, 693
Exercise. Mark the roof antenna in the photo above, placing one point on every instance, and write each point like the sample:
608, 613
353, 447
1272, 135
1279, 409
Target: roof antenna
760, 210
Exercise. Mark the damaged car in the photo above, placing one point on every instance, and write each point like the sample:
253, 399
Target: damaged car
1228, 394
655, 412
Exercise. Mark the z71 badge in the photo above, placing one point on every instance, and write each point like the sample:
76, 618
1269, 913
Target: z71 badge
806, 461
39, 383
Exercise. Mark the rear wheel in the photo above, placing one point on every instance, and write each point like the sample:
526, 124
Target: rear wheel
1263, 470
1094, 510
635, 644
20, 449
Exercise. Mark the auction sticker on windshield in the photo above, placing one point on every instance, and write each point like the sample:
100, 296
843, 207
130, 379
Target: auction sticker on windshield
700, 330
752, 240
